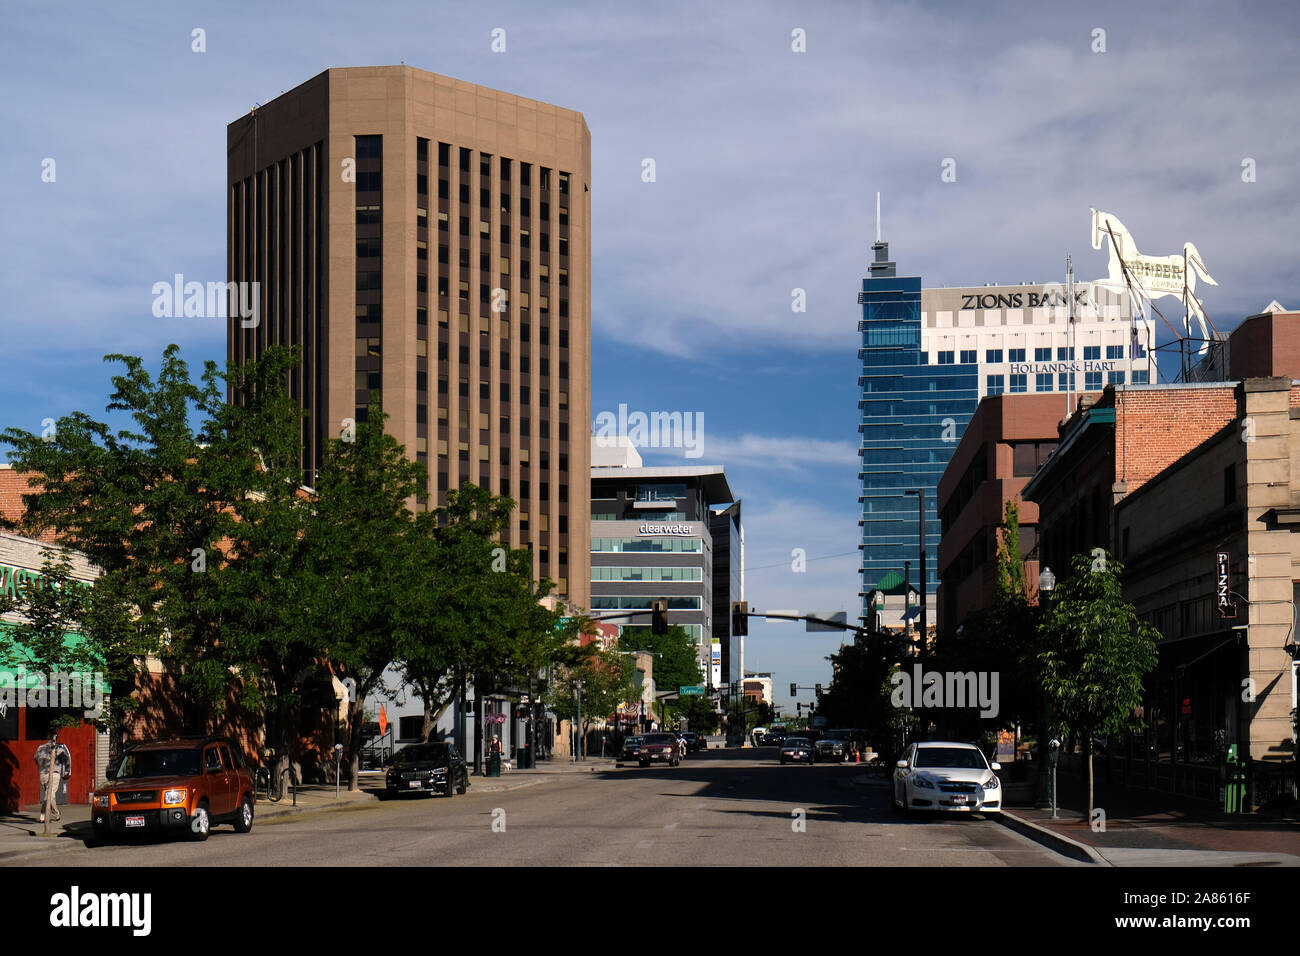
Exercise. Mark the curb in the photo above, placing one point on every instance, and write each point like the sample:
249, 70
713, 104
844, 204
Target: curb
38, 845
1049, 838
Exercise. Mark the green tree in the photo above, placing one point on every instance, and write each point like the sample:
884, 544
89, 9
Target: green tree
359, 549
607, 681
1093, 654
676, 660
199, 533
78, 629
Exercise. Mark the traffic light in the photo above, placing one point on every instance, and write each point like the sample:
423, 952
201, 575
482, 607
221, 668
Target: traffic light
794, 690
659, 616
739, 618
798, 708
819, 690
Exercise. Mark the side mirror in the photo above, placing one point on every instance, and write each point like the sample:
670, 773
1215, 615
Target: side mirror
901, 765
995, 766
109, 772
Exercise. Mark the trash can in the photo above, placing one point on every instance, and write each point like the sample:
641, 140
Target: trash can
494, 765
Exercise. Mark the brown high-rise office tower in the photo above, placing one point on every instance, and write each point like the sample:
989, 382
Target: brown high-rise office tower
430, 240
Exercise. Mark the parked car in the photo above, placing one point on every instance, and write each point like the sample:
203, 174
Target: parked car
662, 747
948, 777
632, 747
796, 750
837, 745
427, 768
180, 786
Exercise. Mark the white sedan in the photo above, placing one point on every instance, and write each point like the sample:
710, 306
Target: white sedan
952, 777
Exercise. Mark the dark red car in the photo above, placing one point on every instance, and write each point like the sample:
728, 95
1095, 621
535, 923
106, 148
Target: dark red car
666, 748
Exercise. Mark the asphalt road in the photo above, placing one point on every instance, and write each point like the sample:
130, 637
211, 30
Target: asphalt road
733, 808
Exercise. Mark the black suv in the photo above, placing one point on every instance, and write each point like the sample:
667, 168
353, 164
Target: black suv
422, 768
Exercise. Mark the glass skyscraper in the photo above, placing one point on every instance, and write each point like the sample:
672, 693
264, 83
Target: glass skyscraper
913, 415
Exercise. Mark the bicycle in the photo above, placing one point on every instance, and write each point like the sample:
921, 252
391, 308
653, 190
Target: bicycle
262, 784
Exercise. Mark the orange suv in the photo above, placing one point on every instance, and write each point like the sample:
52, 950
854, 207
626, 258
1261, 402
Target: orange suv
175, 786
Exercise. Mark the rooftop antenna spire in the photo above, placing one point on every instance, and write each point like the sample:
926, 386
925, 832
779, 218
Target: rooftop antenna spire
877, 217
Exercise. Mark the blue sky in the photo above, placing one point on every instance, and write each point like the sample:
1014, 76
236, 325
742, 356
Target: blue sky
767, 165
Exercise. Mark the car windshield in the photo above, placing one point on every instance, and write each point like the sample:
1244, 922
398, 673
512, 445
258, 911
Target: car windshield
422, 753
661, 739
182, 762
797, 742
839, 735
956, 758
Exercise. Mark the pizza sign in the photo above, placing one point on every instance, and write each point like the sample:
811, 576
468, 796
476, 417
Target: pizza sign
1223, 586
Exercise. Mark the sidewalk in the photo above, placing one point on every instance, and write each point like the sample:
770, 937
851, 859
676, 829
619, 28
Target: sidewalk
1148, 828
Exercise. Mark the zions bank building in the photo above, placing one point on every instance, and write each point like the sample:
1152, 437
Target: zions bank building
928, 357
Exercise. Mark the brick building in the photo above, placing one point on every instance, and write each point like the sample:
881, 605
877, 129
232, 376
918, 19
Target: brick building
1165, 478
1109, 448
1212, 561
1007, 439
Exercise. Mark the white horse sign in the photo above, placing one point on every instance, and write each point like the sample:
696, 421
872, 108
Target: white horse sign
1155, 276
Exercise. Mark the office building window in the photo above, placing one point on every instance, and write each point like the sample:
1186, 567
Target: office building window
946, 358
1092, 381
1065, 354
1141, 377
1092, 353
969, 356
992, 357
1065, 381
1043, 355
1015, 355
1114, 352
1043, 382
1019, 383
994, 386
1115, 378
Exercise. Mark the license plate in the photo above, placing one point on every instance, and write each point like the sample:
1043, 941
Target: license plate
414, 784
959, 798
135, 821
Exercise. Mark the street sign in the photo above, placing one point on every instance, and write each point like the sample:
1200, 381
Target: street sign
839, 617
691, 690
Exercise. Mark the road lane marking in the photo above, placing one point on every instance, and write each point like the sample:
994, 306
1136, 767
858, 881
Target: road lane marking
670, 826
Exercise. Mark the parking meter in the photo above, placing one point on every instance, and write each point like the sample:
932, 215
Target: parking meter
338, 761
1054, 756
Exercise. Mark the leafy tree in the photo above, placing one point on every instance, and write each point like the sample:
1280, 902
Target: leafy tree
479, 613
199, 533
77, 629
1093, 654
607, 682
676, 661
358, 551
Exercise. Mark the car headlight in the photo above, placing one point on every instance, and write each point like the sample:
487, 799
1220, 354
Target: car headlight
102, 799
923, 782
173, 796
991, 784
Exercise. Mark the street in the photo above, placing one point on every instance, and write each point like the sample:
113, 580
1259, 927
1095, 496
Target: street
722, 807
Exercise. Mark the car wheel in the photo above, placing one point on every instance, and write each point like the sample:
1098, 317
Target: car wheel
783, 761
200, 823
449, 790
244, 819
644, 763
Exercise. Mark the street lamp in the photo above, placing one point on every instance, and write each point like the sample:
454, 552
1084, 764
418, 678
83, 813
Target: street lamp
1046, 582
1046, 764
920, 503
